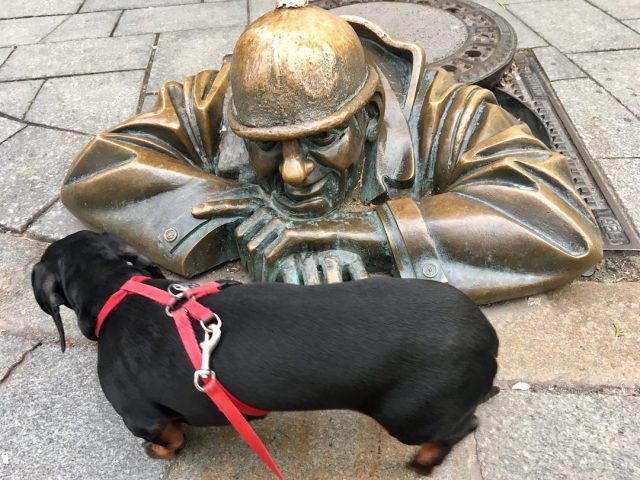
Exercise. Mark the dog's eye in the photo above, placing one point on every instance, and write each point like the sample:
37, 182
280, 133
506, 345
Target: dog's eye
129, 263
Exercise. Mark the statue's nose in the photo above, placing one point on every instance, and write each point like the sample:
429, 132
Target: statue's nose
294, 167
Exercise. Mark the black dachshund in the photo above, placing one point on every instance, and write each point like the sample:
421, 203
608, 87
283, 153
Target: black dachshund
415, 355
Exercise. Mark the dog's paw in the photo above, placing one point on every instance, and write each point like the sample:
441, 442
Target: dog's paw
158, 452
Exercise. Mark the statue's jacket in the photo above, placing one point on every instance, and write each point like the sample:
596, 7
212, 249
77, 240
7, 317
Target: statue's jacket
465, 193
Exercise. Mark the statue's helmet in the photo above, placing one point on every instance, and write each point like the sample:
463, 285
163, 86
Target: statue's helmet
296, 72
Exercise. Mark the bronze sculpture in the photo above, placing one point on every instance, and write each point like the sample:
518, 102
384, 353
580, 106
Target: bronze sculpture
324, 150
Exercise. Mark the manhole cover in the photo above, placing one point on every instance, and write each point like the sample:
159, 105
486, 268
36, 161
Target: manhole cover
527, 82
469, 40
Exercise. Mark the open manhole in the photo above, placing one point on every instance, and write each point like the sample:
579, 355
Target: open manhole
478, 46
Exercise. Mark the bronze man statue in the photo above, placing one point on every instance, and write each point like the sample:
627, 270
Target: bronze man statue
324, 150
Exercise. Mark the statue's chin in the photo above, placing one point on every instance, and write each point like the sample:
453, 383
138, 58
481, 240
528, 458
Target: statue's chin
308, 208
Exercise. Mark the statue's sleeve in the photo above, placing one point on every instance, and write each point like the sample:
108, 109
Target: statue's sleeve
504, 219
141, 178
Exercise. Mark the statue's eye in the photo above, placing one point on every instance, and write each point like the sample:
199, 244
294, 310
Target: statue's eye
323, 139
265, 146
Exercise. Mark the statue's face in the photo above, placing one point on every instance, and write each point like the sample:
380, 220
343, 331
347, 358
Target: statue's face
311, 176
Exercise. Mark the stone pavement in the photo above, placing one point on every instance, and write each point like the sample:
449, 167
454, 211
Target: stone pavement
70, 68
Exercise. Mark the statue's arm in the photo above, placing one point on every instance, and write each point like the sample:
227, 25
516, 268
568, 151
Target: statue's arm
141, 178
505, 219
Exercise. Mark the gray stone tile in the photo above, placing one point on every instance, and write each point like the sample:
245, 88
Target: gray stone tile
619, 8
575, 26
23, 31
257, 8
32, 8
56, 423
4, 54
149, 102
15, 97
95, 5
312, 445
556, 65
527, 38
635, 24
185, 53
183, 17
8, 128
438, 32
88, 103
55, 224
618, 72
624, 176
77, 57
542, 436
35, 161
12, 350
86, 25
606, 127
566, 336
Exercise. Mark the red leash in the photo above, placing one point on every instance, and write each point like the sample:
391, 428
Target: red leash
185, 308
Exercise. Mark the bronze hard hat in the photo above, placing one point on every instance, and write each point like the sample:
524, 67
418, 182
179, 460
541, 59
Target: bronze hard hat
296, 72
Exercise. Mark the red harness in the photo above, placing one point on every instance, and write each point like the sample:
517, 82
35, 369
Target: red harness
185, 308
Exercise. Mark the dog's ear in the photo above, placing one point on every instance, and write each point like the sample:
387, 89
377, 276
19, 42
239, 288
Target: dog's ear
130, 254
48, 292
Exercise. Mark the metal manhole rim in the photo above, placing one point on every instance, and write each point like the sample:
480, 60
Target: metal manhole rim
480, 21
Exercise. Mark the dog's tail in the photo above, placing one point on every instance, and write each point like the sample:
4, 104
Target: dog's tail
47, 293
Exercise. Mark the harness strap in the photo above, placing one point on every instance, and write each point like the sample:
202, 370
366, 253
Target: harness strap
232, 408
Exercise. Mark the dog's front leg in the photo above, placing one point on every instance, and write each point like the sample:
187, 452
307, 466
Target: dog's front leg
162, 439
429, 455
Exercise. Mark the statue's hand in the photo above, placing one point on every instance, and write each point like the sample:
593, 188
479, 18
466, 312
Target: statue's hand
314, 268
240, 202
268, 243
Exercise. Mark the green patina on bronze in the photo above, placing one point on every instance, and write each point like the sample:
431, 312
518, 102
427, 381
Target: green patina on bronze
325, 150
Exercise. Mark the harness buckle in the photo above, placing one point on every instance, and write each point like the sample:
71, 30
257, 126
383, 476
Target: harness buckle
212, 334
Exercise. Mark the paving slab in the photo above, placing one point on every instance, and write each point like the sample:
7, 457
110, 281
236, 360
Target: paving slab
556, 65
55, 224
544, 436
575, 26
607, 128
183, 17
16, 97
149, 101
185, 53
35, 161
8, 128
65, 428
618, 72
32, 8
568, 336
330, 445
4, 54
87, 103
257, 8
95, 5
78, 57
527, 38
635, 24
86, 25
12, 349
23, 31
624, 176
439, 32
620, 9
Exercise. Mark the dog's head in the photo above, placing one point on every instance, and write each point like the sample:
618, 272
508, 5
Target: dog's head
89, 253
